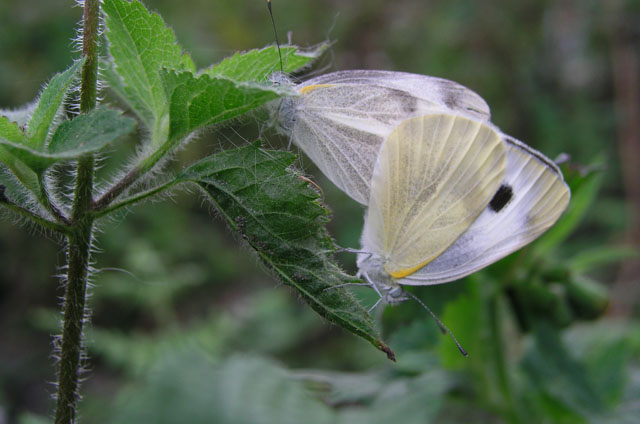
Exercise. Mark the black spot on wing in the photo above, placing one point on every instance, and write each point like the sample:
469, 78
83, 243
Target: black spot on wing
450, 96
404, 102
501, 198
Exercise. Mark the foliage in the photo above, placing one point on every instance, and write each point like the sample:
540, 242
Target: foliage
169, 330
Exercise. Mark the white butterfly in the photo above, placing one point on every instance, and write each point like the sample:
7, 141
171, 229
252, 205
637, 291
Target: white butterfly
446, 192
341, 119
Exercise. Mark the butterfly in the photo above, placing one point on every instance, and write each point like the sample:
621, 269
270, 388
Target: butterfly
447, 193
341, 119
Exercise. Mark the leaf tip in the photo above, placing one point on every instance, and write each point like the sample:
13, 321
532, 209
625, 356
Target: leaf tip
386, 349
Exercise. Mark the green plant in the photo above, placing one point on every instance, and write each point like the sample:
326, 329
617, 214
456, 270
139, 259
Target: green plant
257, 193
528, 361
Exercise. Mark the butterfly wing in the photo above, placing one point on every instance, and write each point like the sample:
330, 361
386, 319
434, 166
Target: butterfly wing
341, 119
531, 198
437, 91
434, 175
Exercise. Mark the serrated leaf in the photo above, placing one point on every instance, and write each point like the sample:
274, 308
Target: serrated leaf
204, 100
258, 65
21, 115
141, 45
281, 218
11, 132
49, 104
72, 139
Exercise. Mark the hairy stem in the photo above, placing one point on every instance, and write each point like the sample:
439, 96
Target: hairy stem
117, 189
89, 85
134, 199
79, 237
45, 223
132, 176
71, 350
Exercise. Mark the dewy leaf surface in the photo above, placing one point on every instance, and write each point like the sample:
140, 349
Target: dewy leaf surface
141, 45
204, 100
49, 104
259, 65
280, 217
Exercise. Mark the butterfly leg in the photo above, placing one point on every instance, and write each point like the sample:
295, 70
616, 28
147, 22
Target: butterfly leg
371, 284
290, 142
374, 305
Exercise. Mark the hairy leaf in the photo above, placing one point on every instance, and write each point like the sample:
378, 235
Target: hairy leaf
84, 134
259, 65
141, 45
49, 104
204, 100
89, 133
21, 115
12, 141
279, 215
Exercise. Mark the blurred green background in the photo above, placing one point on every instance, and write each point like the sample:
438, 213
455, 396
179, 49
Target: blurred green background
188, 327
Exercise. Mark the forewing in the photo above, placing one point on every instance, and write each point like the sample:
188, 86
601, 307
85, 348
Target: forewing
538, 196
434, 175
438, 92
341, 119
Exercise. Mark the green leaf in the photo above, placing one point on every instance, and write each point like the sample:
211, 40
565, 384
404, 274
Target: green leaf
48, 106
12, 142
89, 133
592, 258
259, 65
242, 389
466, 319
204, 100
280, 217
21, 115
559, 375
141, 45
11, 132
408, 401
84, 134
588, 298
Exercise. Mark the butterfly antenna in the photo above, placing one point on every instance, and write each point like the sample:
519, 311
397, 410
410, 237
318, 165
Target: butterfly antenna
440, 323
273, 22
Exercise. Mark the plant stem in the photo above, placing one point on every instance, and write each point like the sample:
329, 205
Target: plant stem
134, 199
79, 237
132, 176
45, 223
500, 365
89, 86
117, 189
71, 352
